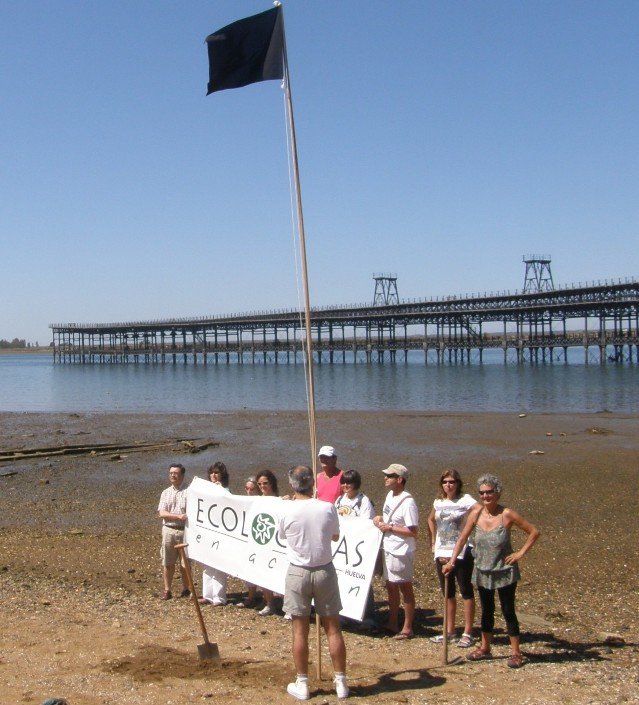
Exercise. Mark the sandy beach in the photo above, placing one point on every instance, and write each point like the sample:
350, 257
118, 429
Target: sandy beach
80, 569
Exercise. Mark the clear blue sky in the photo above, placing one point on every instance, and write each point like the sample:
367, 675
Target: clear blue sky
439, 141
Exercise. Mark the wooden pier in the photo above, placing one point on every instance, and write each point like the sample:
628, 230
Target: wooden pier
601, 319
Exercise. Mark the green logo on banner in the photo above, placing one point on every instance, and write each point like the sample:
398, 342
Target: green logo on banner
263, 528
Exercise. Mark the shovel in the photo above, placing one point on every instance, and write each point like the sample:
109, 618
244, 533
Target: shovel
207, 650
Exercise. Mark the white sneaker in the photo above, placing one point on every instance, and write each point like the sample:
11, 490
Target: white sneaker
340, 686
288, 616
299, 689
266, 611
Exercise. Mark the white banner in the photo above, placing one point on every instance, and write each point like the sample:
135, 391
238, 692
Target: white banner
238, 535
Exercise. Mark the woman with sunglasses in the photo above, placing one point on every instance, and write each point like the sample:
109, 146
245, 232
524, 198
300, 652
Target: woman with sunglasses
252, 490
496, 564
445, 522
352, 501
267, 484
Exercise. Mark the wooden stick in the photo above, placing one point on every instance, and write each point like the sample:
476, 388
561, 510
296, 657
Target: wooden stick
307, 305
445, 642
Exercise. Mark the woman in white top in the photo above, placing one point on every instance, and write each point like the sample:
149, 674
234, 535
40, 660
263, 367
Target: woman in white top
445, 522
353, 502
213, 580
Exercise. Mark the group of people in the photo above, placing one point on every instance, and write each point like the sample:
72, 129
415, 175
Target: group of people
470, 542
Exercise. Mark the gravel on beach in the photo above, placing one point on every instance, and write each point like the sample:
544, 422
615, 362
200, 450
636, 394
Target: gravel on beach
80, 570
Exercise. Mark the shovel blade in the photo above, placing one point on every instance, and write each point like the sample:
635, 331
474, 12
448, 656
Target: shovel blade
208, 651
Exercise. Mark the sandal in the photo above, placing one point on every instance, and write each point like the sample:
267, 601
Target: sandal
401, 636
465, 641
515, 661
479, 655
439, 639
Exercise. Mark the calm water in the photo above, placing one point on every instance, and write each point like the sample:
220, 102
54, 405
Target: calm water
34, 383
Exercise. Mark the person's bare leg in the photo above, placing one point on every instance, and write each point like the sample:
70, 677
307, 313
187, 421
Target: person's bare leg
185, 582
300, 645
408, 598
393, 607
514, 646
469, 615
486, 639
336, 645
451, 613
167, 575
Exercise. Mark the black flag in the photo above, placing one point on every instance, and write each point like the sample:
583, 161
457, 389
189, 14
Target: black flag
247, 51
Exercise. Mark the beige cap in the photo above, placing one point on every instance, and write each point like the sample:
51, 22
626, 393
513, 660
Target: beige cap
396, 469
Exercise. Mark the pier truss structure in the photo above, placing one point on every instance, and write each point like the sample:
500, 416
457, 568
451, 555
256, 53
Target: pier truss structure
597, 323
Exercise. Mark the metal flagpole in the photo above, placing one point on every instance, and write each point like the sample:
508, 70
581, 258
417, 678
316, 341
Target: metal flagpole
307, 306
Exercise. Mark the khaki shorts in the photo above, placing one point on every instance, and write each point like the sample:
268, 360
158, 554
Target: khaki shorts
318, 585
399, 569
170, 539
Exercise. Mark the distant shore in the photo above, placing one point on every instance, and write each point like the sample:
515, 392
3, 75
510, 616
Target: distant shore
31, 350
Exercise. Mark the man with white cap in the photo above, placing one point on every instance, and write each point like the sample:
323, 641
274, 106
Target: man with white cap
399, 523
329, 479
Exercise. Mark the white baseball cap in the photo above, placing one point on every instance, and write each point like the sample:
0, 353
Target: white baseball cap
328, 451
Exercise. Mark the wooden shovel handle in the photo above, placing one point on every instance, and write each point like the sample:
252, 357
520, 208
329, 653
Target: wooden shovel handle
189, 579
445, 642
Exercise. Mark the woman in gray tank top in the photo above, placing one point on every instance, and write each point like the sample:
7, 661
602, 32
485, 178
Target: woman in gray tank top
496, 564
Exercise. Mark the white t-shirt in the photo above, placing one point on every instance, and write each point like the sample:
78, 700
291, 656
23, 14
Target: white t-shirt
405, 514
308, 526
359, 506
450, 517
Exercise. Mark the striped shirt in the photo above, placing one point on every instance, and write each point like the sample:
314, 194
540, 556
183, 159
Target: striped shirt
173, 500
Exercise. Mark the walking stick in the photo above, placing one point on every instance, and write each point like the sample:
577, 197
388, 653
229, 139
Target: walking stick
445, 642
207, 650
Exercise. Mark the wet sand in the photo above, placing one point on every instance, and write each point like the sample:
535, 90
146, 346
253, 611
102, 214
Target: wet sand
80, 574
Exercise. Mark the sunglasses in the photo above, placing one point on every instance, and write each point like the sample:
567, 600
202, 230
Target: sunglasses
449, 482
483, 492
393, 476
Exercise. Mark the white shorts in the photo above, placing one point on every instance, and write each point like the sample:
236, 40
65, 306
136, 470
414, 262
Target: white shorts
398, 569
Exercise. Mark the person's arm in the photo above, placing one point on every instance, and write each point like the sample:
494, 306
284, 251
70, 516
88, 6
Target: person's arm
164, 513
463, 537
171, 517
336, 527
404, 531
432, 528
511, 517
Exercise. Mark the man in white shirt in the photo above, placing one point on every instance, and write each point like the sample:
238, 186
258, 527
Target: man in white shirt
172, 511
308, 526
399, 523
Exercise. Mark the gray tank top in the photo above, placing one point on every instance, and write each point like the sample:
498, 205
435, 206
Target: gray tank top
491, 547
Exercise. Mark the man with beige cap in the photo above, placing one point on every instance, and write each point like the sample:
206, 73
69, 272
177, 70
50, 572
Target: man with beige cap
399, 523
